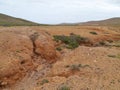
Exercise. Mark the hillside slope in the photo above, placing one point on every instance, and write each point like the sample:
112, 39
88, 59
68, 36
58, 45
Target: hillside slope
106, 22
6, 20
30, 60
111, 21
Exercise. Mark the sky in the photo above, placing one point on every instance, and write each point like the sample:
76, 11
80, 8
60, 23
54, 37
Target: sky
61, 11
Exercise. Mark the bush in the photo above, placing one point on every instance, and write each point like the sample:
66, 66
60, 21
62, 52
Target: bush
71, 41
94, 33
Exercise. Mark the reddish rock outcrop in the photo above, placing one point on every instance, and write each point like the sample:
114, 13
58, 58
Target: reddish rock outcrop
45, 47
17, 49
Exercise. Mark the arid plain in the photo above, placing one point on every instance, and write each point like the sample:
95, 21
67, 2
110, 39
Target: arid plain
31, 58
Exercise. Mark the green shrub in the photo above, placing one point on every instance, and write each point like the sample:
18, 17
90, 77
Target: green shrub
94, 33
72, 41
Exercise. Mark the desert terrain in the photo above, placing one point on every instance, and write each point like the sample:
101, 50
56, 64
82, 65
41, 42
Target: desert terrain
31, 58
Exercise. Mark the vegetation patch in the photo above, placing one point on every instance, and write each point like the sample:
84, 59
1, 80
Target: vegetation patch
110, 41
116, 44
118, 56
44, 81
102, 43
76, 67
114, 56
94, 33
18, 51
72, 41
64, 87
59, 48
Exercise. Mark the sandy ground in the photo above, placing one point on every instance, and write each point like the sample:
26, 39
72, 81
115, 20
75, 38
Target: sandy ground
84, 68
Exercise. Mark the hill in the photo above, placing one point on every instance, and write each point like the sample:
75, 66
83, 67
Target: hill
6, 20
107, 22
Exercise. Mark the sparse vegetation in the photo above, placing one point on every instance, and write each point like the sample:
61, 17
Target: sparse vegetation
118, 56
64, 87
59, 48
73, 68
72, 41
76, 67
110, 41
44, 81
116, 44
18, 51
102, 43
94, 33
114, 56
119, 81
112, 82
67, 66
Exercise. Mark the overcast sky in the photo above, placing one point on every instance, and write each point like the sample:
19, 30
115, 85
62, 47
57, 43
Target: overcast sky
60, 11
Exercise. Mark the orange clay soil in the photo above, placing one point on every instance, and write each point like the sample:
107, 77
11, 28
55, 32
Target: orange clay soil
29, 60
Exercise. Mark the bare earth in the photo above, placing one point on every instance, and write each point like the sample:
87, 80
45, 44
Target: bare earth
29, 59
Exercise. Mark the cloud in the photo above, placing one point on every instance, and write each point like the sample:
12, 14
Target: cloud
57, 11
116, 2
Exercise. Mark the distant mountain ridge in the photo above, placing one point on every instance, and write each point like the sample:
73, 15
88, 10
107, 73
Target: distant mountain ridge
6, 20
112, 21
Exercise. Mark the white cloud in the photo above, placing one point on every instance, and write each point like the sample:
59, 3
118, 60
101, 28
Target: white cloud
57, 11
